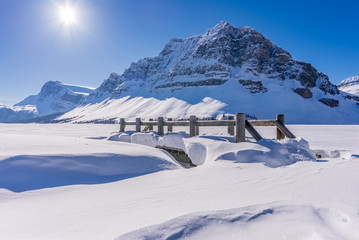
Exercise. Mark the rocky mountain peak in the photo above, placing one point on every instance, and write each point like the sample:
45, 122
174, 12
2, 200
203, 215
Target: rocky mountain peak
51, 88
222, 28
223, 53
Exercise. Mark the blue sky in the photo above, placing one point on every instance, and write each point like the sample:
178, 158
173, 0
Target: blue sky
36, 47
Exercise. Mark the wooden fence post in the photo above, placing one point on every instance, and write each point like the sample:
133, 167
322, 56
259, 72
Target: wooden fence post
192, 126
138, 124
197, 128
280, 118
160, 126
122, 124
169, 127
231, 128
150, 128
240, 127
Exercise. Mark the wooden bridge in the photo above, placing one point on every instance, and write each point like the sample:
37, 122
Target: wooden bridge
236, 126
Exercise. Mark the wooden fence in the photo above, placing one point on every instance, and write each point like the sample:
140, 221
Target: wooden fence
236, 126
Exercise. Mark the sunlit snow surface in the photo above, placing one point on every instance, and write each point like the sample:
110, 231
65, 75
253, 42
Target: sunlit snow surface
88, 187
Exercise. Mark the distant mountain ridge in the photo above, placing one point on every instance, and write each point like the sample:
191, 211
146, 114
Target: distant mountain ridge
16, 114
350, 85
54, 98
225, 70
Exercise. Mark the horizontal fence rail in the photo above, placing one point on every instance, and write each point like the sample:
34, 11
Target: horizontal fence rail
236, 126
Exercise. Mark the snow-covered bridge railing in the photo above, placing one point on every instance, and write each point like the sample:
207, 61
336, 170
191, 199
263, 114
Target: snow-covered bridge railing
236, 126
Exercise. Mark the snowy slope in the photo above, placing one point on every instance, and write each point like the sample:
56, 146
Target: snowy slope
350, 85
236, 66
224, 199
206, 104
127, 107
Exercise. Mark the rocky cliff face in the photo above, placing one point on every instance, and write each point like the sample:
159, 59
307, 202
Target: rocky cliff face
224, 53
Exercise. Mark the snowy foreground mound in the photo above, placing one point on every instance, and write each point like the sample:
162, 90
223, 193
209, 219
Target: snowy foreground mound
62, 161
207, 149
255, 222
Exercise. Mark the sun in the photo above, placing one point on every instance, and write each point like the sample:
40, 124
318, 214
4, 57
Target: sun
67, 15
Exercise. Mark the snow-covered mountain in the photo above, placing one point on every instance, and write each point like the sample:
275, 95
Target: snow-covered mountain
225, 70
56, 97
237, 67
223, 54
350, 85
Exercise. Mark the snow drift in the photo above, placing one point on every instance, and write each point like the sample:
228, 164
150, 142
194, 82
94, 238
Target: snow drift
255, 222
208, 149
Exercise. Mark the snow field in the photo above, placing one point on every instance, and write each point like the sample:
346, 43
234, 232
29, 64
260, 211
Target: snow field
223, 198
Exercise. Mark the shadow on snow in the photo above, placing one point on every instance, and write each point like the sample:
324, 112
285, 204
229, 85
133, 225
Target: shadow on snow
29, 172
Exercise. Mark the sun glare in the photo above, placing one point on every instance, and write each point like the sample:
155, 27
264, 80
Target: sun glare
67, 15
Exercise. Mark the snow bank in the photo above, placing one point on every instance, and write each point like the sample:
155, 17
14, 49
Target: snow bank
28, 172
272, 153
269, 221
148, 139
175, 140
196, 151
